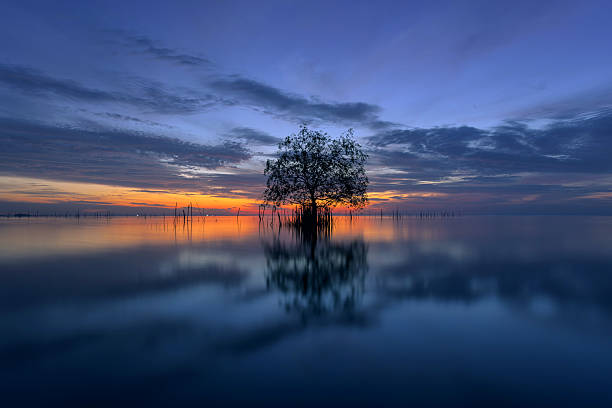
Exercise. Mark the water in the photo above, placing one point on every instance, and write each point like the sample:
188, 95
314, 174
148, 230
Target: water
465, 311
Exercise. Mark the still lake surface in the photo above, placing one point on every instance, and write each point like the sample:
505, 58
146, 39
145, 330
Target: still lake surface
464, 311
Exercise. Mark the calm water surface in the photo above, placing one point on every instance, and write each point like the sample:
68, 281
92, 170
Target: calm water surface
466, 311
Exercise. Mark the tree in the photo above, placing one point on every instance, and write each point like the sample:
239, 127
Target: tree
314, 170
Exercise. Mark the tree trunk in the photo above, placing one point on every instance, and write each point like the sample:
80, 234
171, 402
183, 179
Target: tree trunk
313, 208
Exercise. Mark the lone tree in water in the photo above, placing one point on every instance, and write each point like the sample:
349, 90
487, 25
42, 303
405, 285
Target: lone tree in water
313, 171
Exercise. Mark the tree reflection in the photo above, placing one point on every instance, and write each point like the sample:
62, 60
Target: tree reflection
315, 274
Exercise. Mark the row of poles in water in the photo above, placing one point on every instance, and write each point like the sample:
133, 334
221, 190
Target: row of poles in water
300, 213
297, 215
76, 214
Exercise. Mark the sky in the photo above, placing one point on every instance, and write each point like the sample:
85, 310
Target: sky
491, 107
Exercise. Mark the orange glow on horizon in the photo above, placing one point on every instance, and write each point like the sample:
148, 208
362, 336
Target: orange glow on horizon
21, 189
42, 191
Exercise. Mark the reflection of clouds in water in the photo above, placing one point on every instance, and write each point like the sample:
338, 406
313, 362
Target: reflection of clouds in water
542, 306
457, 251
228, 265
389, 256
558, 289
132, 272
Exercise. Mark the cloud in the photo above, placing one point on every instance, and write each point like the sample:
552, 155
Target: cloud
581, 144
106, 156
274, 101
33, 81
126, 118
154, 97
237, 90
592, 100
253, 136
148, 46
498, 167
145, 94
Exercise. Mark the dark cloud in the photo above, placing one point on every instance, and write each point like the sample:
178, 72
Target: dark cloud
512, 167
568, 108
579, 145
33, 81
144, 94
154, 191
154, 97
237, 90
253, 136
148, 46
109, 156
127, 118
274, 101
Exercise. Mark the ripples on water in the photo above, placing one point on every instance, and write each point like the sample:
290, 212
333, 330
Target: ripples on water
460, 311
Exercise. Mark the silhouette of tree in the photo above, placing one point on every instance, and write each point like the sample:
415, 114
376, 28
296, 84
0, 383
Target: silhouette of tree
313, 170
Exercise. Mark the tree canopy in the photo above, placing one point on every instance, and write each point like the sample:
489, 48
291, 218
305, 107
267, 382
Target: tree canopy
314, 170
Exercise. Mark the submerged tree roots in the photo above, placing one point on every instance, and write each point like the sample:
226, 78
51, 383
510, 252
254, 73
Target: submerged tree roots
305, 218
